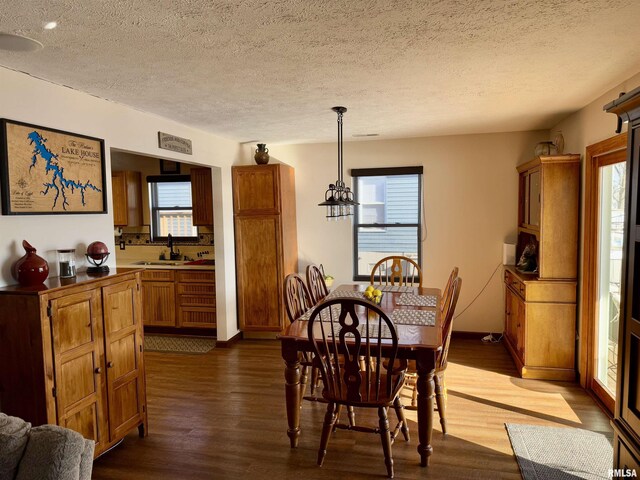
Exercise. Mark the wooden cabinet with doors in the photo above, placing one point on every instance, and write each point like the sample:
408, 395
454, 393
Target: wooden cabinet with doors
127, 198
540, 306
196, 298
179, 298
158, 298
71, 355
202, 196
626, 422
266, 242
549, 200
540, 324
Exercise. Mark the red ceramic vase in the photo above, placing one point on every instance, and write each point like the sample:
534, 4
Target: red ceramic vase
31, 269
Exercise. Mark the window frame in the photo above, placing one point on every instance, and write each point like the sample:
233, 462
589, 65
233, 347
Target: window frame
384, 172
153, 179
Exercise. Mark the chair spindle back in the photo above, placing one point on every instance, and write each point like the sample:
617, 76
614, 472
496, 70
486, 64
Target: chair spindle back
315, 281
347, 346
397, 270
296, 296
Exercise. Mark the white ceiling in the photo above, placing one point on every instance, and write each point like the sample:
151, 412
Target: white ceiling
271, 70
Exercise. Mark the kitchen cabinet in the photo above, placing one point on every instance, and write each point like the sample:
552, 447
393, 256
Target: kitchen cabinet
127, 198
196, 298
202, 196
158, 298
266, 242
180, 298
71, 355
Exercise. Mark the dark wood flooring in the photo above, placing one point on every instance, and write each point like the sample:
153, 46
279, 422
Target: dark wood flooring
221, 415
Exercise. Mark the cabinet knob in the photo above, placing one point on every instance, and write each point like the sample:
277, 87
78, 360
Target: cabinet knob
98, 370
109, 364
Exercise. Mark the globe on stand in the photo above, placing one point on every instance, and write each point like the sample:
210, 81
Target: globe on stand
97, 254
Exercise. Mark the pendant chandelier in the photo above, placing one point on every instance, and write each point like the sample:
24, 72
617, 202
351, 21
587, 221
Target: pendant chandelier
338, 199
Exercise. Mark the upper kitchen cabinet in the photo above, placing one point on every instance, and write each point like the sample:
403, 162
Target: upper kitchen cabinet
202, 196
549, 200
256, 190
127, 198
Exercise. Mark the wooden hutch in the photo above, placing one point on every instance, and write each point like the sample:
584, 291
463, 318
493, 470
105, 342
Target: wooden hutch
71, 355
540, 305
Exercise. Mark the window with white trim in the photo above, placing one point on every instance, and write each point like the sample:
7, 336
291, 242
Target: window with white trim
171, 207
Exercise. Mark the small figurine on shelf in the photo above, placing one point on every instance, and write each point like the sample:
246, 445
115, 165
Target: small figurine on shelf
528, 262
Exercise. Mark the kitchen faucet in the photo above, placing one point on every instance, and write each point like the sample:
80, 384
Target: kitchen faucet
172, 255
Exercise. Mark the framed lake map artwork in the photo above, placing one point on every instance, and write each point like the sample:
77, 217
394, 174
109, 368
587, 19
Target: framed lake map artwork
47, 171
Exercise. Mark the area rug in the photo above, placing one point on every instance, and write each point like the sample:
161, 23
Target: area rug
168, 343
556, 453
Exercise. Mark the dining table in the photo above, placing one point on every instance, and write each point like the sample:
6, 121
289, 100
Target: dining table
419, 329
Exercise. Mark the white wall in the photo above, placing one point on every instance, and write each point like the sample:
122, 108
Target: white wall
592, 124
470, 206
30, 100
587, 126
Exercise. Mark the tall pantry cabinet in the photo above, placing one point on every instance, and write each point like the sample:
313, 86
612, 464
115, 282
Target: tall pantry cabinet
71, 355
264, 207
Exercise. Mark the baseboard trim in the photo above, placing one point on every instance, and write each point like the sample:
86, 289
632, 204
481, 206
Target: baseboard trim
230, 342
472, 335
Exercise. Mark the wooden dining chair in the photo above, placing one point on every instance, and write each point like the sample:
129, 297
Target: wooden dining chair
346, 342
297, 302
412, 375
316, 284
397, 270
297, 299
448, 311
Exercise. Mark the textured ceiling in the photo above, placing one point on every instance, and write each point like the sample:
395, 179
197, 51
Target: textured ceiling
272, 70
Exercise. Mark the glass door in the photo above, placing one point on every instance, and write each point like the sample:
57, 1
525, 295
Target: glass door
611, 198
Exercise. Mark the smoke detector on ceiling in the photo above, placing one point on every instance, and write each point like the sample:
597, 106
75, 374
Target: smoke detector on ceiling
18, 43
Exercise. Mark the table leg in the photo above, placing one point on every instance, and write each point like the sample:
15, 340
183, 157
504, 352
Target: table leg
426, 393
292, 390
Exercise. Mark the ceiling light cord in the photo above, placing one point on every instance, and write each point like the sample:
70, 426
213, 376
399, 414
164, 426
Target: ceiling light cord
340, 177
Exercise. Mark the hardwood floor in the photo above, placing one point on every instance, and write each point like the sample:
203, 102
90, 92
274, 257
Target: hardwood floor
221, 415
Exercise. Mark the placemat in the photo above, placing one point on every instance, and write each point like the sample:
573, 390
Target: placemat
417, 300
395, 288
373, 330
425, 318
346, 294
324, 314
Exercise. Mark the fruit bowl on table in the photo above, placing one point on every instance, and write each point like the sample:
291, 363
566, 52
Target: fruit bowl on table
372, 295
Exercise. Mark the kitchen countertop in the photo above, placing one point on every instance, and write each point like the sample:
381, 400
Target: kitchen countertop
169, 265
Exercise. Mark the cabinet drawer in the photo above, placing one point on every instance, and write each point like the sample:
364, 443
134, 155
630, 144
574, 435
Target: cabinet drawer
517, 286
200, 317
197, 300
158, 275
196, 276
196, 289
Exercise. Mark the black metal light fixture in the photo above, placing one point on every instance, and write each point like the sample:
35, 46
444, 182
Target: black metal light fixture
338, 199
